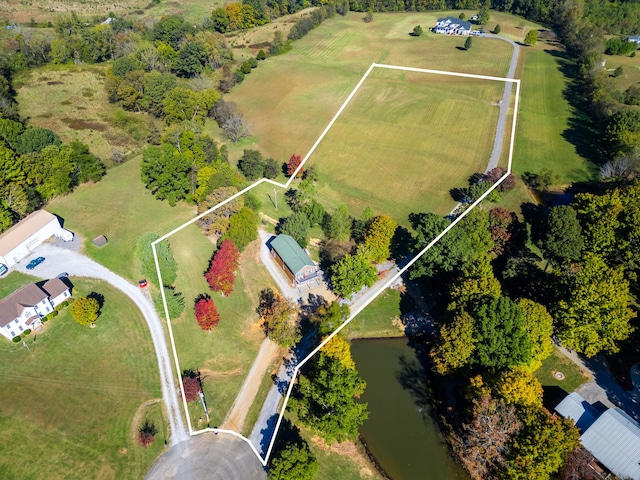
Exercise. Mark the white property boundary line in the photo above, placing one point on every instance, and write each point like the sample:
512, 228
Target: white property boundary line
390, 281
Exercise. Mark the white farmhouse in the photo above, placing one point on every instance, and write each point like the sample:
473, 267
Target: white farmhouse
452, 26
21, 239
23, 309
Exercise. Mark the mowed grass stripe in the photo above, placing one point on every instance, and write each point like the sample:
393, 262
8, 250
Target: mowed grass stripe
402, 144
543, 120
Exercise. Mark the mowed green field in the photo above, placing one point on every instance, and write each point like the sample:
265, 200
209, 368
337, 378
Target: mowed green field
290, 99
71, 406
405, 140
225, 355
122, 209
543, 118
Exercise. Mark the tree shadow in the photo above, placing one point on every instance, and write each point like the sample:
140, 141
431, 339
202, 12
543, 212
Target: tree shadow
583, 132
98, 297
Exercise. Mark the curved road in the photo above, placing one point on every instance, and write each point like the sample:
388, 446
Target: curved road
64, 260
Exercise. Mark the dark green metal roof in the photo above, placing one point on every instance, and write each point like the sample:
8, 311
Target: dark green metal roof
291, 253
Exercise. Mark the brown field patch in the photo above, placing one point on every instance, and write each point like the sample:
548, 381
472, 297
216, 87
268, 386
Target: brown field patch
77, 107
80, 124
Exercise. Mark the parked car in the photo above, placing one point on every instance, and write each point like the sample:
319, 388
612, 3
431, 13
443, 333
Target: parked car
142, 283
3, 269
35, 262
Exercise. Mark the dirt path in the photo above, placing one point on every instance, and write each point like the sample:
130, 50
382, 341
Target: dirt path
269, 351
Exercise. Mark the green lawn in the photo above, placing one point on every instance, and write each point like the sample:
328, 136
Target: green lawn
375, 320
67, 407
391, 149
225, 355
543, 118
13, 281
558, 362
322, 68
121, 208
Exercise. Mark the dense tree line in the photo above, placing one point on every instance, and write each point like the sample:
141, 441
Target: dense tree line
35, 166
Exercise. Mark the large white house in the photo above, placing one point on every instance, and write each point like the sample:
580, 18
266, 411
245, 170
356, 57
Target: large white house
452, 26
23, 309
21, 239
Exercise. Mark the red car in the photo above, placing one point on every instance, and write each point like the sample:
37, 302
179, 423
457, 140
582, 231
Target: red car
142, 283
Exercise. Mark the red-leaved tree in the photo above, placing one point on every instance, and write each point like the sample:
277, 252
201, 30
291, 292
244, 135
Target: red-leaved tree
147, 433
222, 272
206, 313
293, 163
191, 385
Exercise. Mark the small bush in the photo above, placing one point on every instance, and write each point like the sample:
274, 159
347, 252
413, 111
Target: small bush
55, 313
26, 332
147, 433
497, 29
16, 339
64, 304
191, 384
462, 16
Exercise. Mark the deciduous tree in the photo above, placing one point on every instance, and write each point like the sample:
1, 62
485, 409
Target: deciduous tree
85, 310
279, 318
595, 314
561, 240
377, 238
206, 313
293, 163
293, 462
221, 274
538, 324
325, 399
351, 273
339, 225
165, 172
532, 37
455, 344
243, 228
191, 385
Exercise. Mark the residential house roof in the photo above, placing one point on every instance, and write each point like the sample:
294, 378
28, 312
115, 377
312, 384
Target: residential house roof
575, 407
23, 230
455, 21
55, 287
291, 253
28, 296
11, 306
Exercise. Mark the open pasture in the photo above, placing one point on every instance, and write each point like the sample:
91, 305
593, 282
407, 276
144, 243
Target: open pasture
407, 124
405, 140
72, 404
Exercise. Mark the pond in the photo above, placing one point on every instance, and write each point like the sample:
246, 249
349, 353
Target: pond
400, 433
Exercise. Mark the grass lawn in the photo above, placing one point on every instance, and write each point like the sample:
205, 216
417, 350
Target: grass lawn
543, 118
13, 281
301, 91
77, 107
225, 355
557, 362
391, 149
630, 70
73, 399
398, 122
120, 208
375, 320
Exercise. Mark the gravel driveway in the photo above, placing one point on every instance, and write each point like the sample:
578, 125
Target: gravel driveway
60, 260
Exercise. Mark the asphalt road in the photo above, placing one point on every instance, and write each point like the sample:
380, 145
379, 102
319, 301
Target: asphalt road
60, 260
208, 456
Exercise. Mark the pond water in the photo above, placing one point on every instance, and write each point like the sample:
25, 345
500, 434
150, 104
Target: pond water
400, 433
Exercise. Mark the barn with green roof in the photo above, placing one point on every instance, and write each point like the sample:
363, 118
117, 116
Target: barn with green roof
293, 260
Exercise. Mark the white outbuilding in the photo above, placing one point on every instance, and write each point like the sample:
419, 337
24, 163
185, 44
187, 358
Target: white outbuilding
21, 239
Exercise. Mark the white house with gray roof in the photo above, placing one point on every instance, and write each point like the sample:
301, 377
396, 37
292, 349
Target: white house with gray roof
452, 26
24, 308
612, 436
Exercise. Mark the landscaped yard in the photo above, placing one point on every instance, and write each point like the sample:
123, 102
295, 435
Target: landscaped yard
225, 355
557, 362
376, 320
68, 403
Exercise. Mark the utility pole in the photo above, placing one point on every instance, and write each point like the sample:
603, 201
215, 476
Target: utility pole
275, 196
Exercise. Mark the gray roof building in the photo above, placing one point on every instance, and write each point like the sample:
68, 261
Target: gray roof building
612, 437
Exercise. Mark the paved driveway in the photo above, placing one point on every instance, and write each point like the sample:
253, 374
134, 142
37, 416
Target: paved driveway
211, 457
60, 260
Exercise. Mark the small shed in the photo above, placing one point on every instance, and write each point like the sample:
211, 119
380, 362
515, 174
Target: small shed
100, 241
293, 260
